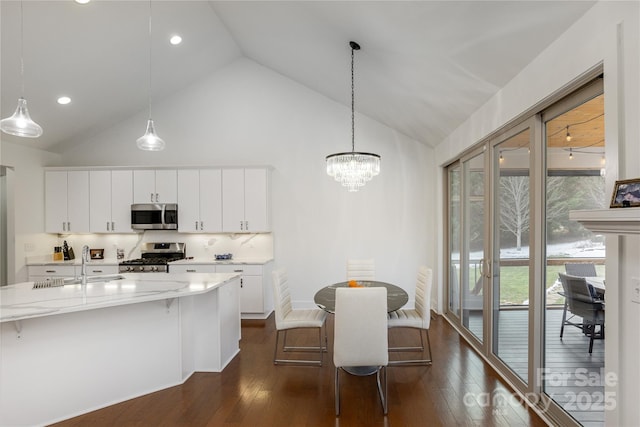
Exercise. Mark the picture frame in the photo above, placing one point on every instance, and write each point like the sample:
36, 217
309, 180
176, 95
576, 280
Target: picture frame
96, 253
626, 193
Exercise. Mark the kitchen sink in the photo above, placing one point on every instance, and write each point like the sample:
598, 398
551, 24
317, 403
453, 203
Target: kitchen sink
94, 279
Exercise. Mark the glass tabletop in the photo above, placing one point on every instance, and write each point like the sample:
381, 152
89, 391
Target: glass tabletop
325, 298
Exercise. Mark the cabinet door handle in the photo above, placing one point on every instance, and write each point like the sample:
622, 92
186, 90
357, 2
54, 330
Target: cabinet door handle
246, 225
156, 197
241, 283
238, 271
64, 228
201, 227
107, 225
241, 225
196, 225
50, 271
96, 271
151, 197
113, 226
191, 271
68, 226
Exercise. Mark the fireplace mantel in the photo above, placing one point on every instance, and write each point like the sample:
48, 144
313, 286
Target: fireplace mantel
613, 221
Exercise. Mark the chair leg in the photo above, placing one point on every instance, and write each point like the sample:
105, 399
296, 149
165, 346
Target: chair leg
337, 391
414, 362
384, 396
564, 318
287, 348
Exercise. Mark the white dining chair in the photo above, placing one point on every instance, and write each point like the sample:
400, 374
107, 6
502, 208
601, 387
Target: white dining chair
360, 336
361, 269
416, 318
287, 318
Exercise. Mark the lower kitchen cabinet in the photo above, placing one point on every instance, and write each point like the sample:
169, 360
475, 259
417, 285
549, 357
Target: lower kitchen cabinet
42, 272
256, 300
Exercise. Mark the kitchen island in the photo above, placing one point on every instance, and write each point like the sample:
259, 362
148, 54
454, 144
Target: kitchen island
68, 350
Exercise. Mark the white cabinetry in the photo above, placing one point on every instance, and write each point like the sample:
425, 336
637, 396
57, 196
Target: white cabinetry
256, 300
151, 186
200, 200
245, 200
110, 199
67, 201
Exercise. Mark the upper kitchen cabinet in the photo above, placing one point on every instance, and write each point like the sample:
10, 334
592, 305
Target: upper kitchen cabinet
245, 200
110, 199
155, 186
200, 200
67, 201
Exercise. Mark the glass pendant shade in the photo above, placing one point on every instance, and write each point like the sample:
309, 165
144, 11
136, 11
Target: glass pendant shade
150, 141
353, 170
20, 124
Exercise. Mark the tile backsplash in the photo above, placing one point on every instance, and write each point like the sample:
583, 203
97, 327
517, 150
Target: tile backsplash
199, 246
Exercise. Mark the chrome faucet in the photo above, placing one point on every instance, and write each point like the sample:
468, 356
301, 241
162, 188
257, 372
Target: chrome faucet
85, 259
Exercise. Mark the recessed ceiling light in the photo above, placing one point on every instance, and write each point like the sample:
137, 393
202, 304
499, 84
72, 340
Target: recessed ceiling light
64, 100
82, 1
174, 40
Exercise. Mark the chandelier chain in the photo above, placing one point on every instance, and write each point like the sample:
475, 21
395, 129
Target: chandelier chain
353, 96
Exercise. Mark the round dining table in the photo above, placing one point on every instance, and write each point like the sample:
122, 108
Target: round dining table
325, 298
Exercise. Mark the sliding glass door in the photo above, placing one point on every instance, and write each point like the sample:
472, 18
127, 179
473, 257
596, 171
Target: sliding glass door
509, 236
511, 278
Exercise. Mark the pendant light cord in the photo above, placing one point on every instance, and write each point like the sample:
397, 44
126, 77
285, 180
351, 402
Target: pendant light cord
22, 49
150, 39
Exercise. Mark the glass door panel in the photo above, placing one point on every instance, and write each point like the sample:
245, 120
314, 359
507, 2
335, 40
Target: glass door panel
473, 260
454, 238
574, 143
511, 260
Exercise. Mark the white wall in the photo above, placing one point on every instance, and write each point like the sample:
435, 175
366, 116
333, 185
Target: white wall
608, 34
28, 198
249, 115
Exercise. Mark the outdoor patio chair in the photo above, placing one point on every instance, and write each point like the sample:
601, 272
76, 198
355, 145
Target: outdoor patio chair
581, 269
581, 303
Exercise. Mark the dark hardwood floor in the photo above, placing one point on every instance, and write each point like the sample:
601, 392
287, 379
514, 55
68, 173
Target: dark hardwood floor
253, 392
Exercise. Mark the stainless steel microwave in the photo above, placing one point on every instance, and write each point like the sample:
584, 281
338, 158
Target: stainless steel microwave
154, 216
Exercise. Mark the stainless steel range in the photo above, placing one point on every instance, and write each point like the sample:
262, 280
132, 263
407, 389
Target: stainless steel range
154, 258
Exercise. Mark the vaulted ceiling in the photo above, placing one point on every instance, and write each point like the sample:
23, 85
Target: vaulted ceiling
424, 66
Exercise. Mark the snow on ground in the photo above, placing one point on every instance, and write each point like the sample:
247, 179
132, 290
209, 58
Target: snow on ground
578, 249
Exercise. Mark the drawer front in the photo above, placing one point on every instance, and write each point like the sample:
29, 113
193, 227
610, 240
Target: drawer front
52, 270
97, 270
192, 268
244, 269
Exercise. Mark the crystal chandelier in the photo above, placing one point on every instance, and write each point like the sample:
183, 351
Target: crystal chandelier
150, 141
20, 124
353, 169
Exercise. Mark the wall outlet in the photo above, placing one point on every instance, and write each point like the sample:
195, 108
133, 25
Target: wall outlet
635, 289
29, 247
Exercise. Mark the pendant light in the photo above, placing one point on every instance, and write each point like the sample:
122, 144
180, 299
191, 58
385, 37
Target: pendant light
150, 141
20, 124
353, 169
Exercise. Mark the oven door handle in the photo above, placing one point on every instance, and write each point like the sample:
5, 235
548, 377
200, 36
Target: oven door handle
164, 207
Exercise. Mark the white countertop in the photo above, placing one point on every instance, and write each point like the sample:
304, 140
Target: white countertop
21, 301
